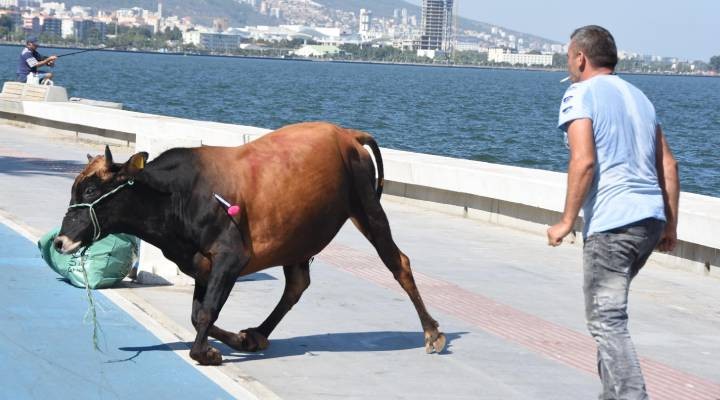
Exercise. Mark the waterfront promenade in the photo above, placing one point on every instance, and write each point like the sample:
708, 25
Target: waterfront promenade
510, 306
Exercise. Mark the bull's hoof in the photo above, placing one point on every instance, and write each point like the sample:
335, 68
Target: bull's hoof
211, 356
251, 340
434, 342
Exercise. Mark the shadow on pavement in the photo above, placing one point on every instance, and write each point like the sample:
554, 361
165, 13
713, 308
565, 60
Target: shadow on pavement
177, 346
25, 166
330, 342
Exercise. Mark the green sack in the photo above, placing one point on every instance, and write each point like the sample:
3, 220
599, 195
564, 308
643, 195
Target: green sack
106, 261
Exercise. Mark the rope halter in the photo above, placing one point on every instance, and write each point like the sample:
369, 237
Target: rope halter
93, 217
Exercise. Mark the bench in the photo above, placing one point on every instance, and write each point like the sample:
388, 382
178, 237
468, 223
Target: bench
17, 91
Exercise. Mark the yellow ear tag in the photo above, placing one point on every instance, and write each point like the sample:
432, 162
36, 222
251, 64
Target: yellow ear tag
138, 163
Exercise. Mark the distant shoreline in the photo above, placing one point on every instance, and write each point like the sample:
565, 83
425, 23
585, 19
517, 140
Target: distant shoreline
366, 62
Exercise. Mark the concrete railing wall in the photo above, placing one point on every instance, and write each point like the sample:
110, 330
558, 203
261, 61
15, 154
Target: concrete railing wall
522, 198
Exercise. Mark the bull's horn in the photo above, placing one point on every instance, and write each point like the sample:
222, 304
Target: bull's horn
108, 156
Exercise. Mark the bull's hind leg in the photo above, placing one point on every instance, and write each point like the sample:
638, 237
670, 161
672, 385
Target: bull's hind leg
369, 217
297, 279
372, 222
374, 225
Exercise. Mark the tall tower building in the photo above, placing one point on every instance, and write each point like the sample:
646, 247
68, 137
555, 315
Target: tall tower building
159, 11
365, 21
438, 25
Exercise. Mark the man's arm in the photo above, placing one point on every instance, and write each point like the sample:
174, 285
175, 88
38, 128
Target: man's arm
669, 181
40, 60
581, 171
46, 60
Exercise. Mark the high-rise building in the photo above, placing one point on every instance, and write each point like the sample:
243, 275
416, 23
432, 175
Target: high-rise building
365, 20
67, 27
31, 24
88, 29
438, 25
52, 26
16, 20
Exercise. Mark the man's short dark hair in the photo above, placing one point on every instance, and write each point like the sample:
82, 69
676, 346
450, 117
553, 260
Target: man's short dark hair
598, 45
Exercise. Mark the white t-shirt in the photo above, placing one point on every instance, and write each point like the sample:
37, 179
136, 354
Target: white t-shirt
625, 188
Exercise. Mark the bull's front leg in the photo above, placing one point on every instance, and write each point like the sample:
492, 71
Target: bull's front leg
206, 306
297, 279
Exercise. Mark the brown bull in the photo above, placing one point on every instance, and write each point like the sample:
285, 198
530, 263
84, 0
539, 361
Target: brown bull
296, 187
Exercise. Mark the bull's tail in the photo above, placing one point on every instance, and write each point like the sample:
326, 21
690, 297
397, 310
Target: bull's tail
366, 139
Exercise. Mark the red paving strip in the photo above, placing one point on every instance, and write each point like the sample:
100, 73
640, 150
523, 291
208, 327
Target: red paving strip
553, 341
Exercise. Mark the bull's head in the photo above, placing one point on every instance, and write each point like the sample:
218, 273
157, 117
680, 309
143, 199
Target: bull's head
97, 195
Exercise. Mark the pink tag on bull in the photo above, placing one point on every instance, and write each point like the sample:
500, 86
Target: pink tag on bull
232, 210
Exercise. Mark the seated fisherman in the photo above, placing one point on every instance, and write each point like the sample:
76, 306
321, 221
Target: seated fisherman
30, 60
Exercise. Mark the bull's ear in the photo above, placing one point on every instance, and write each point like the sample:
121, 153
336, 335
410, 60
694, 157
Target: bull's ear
90, 158
108, 157
136, 163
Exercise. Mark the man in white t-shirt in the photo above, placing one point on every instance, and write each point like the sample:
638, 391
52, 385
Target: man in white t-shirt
624, 176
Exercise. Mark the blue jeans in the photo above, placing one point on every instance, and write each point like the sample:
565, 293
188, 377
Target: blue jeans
610, 261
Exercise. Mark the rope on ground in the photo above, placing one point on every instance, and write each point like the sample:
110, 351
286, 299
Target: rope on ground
91, 314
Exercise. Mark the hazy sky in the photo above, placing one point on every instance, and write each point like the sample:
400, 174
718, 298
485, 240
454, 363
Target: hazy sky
686, 29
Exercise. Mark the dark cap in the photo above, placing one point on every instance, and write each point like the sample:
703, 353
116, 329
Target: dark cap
31, 39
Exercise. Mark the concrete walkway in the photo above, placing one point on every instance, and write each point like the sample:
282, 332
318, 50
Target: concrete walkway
511, 307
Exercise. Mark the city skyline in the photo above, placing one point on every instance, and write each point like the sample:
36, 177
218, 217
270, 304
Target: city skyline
402, 28
641, 26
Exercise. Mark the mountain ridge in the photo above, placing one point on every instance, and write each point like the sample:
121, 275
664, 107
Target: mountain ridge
240, 14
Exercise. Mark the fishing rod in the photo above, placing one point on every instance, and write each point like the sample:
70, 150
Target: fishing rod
81, 51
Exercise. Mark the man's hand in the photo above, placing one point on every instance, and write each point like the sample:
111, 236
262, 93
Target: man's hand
50, 61
557, 233
668, 240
